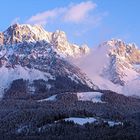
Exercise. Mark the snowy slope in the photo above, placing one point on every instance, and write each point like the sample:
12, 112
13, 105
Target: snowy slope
9, 75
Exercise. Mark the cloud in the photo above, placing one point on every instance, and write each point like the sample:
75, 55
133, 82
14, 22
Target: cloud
44, 17
73, 13
77, 13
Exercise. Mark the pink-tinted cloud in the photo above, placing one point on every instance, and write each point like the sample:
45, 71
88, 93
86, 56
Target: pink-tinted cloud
73, 13
79, 12
44, 17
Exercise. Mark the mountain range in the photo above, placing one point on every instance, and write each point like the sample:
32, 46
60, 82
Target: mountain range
46, 81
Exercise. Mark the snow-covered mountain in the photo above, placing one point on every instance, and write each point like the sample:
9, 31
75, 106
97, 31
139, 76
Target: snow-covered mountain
114, 65
122, 58
32, 60
20, 33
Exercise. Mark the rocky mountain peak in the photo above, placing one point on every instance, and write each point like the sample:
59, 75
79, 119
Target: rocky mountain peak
19, 33
27, 33
129, 52
118, 61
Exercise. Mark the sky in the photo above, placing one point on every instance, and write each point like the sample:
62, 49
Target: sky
84, 21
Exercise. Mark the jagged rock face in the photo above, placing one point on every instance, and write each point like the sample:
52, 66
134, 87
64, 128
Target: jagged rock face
116, 70
121, 58
59, 41
129, 51
20, 33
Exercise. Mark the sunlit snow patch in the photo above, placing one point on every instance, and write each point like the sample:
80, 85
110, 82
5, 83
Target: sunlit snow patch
95, 97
